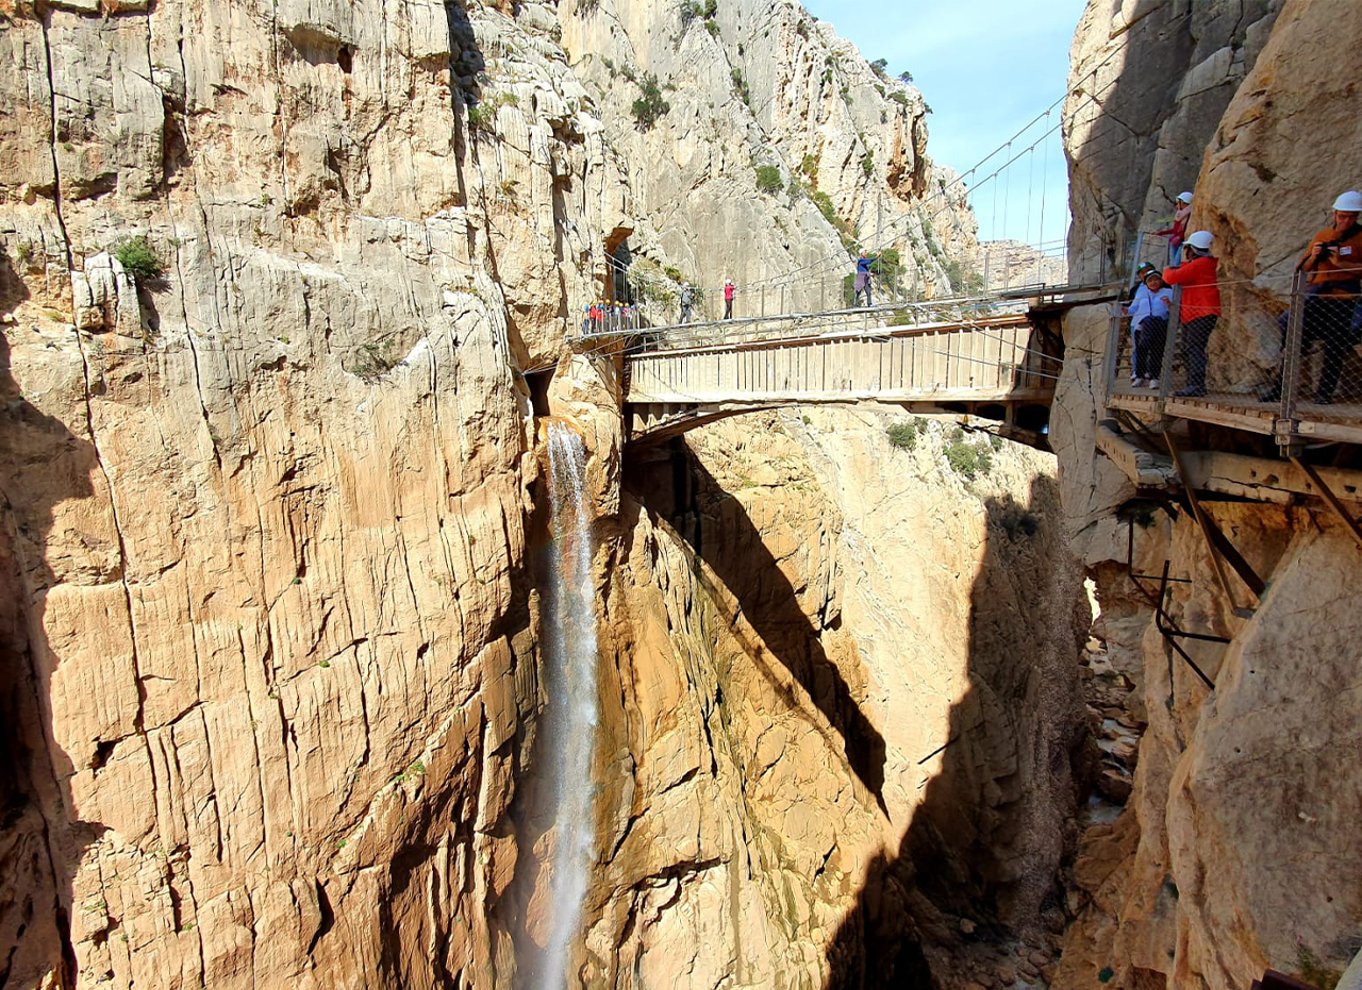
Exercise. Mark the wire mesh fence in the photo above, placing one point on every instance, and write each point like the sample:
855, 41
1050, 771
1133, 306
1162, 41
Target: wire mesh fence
1291, 362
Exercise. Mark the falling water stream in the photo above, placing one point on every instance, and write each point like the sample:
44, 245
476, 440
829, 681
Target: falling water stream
572, 711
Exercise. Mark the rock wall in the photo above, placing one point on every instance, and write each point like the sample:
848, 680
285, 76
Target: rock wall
762, 85
851, 672
1226, 860
273, 274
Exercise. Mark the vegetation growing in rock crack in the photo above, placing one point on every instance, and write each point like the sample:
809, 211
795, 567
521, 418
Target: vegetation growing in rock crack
138, 258
768, 179
740, 88
651, 106
968, 458
902, 435
373, 360
692, 9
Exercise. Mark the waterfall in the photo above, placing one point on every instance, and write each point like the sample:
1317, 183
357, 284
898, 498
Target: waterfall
570, 721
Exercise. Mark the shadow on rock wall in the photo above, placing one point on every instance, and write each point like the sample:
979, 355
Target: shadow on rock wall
721, 535
42, 463
980, 859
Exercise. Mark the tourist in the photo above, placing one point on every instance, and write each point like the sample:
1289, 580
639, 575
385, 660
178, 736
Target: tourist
1334, 263
1200, 307
729, 290
687, 301
1175, 233
862, 285
1149, 328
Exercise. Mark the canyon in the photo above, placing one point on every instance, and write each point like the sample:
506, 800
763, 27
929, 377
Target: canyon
281, 534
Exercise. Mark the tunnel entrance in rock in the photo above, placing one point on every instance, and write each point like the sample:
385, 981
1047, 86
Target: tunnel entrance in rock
538, 383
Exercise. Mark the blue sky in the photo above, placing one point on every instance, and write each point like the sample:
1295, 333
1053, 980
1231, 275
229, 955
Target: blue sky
986, 68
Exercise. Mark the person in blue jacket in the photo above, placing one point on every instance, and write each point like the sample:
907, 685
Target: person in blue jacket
863, 264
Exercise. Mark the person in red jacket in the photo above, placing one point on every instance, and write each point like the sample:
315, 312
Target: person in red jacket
1200, 307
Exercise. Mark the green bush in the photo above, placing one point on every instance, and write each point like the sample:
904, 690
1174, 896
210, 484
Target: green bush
809, 168
868, 164
138, 258
480, 117
713, 28
740, 86
768, 179
878, 66
906, 76
969, 460
902, 435
888, 267
651, 106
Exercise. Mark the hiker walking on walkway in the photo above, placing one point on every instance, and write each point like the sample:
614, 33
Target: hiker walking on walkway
1149, 328
1178, 230
729, 290
687, 301
1200, 307
1334, 263
862, 284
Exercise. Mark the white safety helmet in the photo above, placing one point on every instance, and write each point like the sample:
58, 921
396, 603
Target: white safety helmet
1184, 197
1200, 239
1349, 202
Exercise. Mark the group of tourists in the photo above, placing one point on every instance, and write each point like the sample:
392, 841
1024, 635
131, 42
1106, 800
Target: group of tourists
600, 316
1332, 307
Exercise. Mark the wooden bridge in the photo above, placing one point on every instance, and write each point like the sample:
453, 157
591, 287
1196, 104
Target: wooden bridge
965, 359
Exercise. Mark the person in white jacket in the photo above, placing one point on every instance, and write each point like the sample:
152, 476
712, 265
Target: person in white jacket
1149, 328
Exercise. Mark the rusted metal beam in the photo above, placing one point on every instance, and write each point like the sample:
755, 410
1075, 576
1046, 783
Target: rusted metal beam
1215, 539
1334, 502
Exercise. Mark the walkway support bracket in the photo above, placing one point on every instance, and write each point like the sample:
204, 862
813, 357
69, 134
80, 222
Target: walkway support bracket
1334, 502
1221, 548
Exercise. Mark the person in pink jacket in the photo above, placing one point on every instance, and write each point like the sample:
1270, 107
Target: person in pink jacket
1178, 230
729, 290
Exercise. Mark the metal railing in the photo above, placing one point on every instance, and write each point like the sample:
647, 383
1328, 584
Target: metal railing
1317, 374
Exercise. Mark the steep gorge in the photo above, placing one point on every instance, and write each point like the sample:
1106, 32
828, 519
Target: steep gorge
272, 521
271, 515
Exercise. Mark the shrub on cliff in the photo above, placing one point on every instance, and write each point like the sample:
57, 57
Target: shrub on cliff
902, 435
138, 258
651, 106
768, 179
969, 460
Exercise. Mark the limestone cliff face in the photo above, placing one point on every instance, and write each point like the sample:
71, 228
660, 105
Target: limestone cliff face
761, 84
852, 670
1232, 854
268, 615
267, 643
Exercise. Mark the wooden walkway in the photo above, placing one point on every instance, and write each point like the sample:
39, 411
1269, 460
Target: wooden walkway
1000, 367
1341, 421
